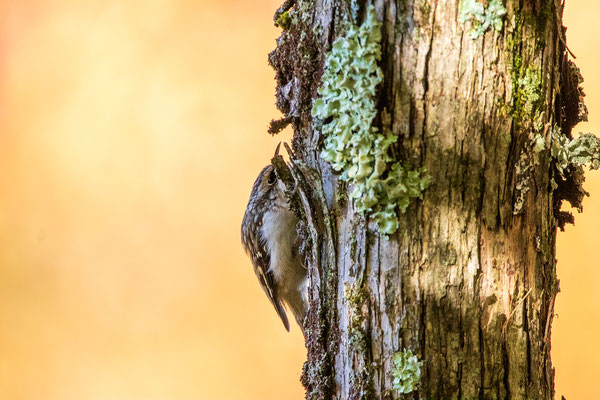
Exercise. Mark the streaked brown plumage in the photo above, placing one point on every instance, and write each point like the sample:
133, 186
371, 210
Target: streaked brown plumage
268, 236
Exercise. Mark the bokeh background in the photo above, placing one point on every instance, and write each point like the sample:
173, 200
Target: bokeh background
130, 134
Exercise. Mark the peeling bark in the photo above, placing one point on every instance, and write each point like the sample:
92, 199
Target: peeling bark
468, 282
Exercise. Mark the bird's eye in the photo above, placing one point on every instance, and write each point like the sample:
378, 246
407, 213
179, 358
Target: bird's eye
272, 178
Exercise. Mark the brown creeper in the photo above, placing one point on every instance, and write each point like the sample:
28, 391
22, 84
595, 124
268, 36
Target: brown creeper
269, 236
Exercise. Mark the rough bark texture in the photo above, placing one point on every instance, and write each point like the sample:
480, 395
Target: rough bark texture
468, 282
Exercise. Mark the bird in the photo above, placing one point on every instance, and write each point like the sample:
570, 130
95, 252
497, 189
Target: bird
269, 238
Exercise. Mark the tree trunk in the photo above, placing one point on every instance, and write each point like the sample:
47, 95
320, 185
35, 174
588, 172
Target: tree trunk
467, 282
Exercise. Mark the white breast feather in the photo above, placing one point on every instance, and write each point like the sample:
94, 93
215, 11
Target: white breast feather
279, 230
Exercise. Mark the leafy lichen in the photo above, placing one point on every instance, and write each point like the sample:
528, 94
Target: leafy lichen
539, 143
569, 156
352, 145
406, 372
582, 151
481, 17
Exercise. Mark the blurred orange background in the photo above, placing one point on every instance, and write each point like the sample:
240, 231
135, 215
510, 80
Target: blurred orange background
130, 135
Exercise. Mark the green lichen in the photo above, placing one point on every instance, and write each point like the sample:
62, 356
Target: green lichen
528, 94
406, 372
539, 143
352, 145
523, 180
356, 295
481, 17
532, 154
582, 151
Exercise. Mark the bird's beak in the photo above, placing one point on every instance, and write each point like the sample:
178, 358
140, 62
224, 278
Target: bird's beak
277, 150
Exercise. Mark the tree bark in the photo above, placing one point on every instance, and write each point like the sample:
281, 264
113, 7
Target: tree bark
468, 281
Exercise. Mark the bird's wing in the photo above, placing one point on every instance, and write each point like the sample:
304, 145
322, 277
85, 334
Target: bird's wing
261, 262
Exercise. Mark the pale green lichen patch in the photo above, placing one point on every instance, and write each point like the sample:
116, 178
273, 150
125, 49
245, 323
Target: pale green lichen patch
582, 151
531, 155
528, 94
406, 372
539, 143
352, 145
522, 172
357, 297
480, 16
569, 157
